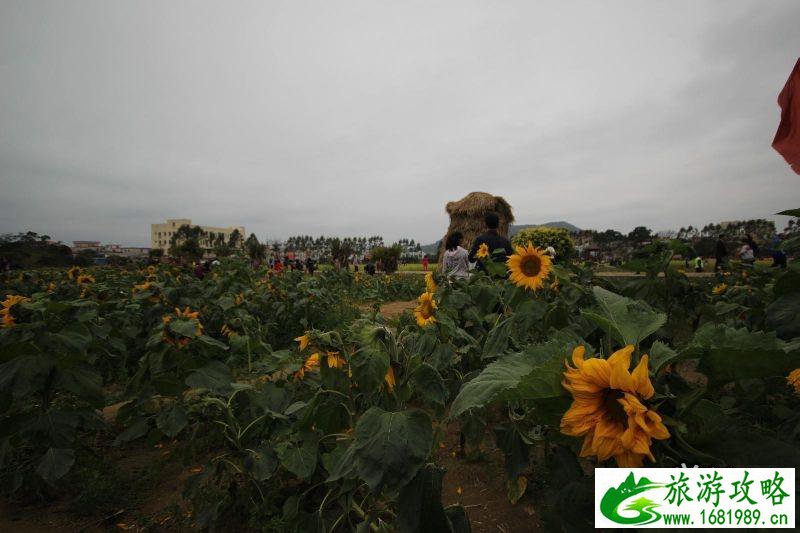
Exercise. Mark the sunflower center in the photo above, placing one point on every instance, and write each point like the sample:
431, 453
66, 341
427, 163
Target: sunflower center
427, 309
531, 265
614, 409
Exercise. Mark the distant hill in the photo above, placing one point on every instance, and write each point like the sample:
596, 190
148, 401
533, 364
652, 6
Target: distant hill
432, 249
515, 228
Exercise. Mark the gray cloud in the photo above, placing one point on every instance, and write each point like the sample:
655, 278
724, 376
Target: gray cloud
365, 117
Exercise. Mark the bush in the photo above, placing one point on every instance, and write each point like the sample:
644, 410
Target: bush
543, 237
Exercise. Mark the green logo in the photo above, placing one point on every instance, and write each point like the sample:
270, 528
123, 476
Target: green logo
614, 498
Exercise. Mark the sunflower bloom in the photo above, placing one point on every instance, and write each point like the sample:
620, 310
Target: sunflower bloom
73, 272
793, 379
607, 408
483, 251
529, 267
424, 312
228, 331
311, 364
389, 379
430, 283
84, 279
719, 289
335, 360
186, 314
303, 340
7, 310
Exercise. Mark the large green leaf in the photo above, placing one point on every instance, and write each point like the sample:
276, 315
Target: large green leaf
419, 505
214, 376
627, 321
497, 339
172, 420
428, 384
783, 316
55, 463
727, 354
299, 459
530, 375
660, 355
22, 374
83, 381
371, 362
391, 447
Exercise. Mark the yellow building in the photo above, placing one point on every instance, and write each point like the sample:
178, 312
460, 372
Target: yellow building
161, 234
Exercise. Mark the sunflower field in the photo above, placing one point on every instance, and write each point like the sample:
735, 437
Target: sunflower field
296, 405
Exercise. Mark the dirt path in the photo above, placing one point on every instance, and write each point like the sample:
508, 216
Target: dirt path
392, 309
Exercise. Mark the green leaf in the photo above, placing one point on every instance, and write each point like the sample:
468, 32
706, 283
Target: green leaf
171, 421
660, 354
428, 384
299, 460
261, 462
497, 339
83, 381
391, 447
783, 316
55, 463
727, 354
211, 341
135, 431
22, 374
75, 336
627, 321
419, 505
214, 376
371, 362
530, 375
342, 462
184, 327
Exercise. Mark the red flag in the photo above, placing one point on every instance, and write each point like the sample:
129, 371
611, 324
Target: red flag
787, 138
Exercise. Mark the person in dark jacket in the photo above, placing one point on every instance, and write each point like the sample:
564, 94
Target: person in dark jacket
720, 253
499, 246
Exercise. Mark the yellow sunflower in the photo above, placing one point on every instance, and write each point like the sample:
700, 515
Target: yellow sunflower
311, 364
84, 279
228, 331
607, 408
424, 312
430, 283
187, 314
793, 379
529, 267
483, 251
303, 340
335, 360
720, 289
8, 305
389, 379
73, 272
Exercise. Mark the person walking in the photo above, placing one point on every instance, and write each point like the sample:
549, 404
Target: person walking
456, 258
499, 246
425, 262
720, 253
698, 264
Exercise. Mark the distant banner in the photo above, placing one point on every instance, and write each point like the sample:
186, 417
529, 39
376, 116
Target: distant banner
695, 498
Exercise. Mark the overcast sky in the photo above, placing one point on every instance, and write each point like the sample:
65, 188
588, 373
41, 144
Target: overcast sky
366, 117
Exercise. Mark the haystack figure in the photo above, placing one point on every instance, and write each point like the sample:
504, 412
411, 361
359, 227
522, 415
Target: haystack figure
467, 216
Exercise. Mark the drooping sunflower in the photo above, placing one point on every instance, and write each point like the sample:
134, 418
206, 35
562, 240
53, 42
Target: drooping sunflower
335, 360
426, 309
483, 251
7, 311
529, 267
311, 364
793, 379
303, 340
607, 408
430, 283
719, 289
389, 379
187, 314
